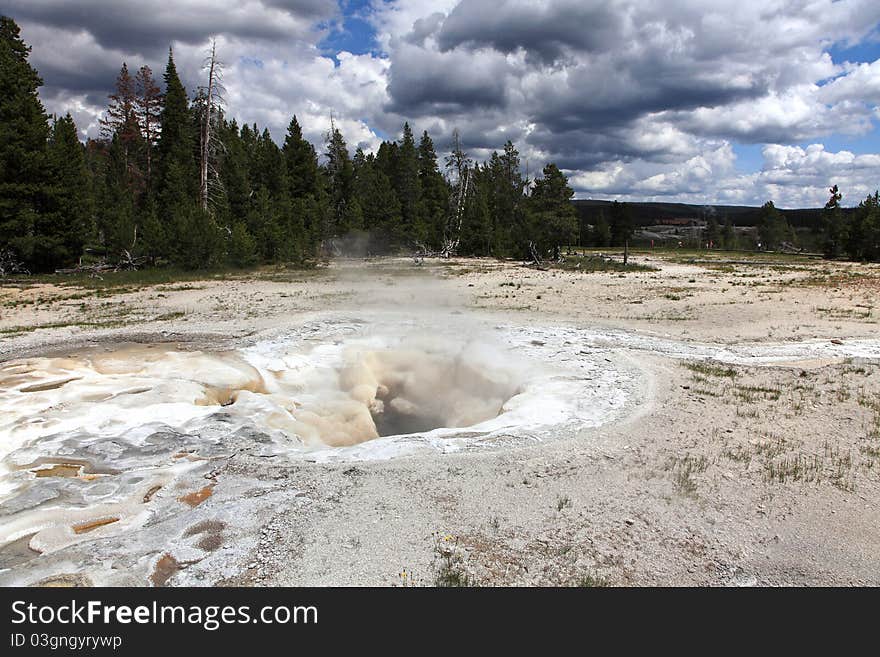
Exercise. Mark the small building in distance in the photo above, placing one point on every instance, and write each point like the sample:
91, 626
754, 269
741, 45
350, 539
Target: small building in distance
682, 222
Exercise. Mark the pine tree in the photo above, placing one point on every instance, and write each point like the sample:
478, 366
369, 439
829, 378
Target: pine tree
773, 229
621, 224
301, 161
868, 216
148, 111
24, 131
121, 120
345, 215
835, 228
152, 239
306, 189
117, 217
69, 224
242, 248
406, 183
378, 202
602, 231
234, 168
728, 235
476, 224
435, 194
177, 182
554, 221
506, 198
177, 140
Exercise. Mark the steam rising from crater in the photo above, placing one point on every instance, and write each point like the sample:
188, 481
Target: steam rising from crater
331, 395
415, 387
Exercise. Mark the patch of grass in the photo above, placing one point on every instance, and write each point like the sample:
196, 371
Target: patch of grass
707, 368
704, 392
594, 263
738, 453
772, 447
169, 316
15, 330
800, 467
130, 280
683, 470
448, 564
752, 393
563, 502
591, 580
843, 313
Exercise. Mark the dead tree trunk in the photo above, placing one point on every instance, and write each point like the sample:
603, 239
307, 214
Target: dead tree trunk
206, 129
452, 242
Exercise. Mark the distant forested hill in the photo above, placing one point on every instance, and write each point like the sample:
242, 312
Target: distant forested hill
647, 214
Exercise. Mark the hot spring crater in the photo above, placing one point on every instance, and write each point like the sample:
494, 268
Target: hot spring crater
108, 438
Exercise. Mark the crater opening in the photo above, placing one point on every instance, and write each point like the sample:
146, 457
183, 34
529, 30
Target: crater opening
416, 389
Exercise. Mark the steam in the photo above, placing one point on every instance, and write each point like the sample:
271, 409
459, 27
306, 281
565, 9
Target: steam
333, 395
417, 386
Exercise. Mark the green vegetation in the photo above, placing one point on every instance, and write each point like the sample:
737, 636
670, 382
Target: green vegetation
707, 368
173, 182
588, 262
591, 580
448, 564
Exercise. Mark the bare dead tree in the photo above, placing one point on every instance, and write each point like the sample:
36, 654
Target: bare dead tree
458, 167
450, 245
126, 262
10, 264
210, 98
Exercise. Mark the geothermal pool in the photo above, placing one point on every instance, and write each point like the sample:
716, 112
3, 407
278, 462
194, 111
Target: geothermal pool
105, 441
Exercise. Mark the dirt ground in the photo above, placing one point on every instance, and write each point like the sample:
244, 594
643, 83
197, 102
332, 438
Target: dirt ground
724, 473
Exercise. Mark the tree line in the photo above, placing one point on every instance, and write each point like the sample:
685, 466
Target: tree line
834, 231
173, 180
854, 235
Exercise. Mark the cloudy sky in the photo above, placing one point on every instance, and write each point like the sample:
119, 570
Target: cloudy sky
705, 101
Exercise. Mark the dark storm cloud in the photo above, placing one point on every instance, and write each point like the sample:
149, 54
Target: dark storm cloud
425, 27
149, 26
587, 100
569, 65
545, 32
312, 9
583, 150
80, 45
423, 82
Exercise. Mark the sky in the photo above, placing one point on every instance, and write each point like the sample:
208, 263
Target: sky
699, 101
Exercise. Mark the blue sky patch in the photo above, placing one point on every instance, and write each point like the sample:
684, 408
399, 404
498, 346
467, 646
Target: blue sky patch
353, 33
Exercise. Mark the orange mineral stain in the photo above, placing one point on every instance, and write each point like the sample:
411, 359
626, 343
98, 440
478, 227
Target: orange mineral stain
84, 527
149, 494
197, 497
165, 568
59, 470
